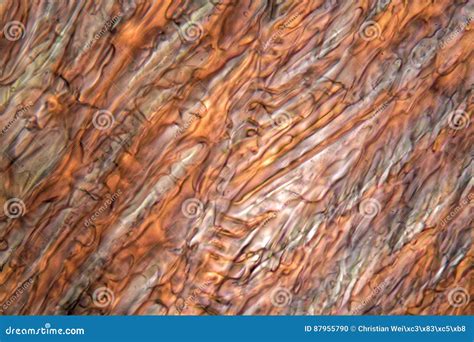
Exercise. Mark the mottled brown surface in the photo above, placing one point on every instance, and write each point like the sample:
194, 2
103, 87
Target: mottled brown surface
236, 157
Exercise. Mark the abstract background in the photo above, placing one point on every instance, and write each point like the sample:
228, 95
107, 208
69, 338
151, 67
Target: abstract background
236, 157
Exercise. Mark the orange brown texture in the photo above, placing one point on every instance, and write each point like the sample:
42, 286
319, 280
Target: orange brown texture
236, 157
